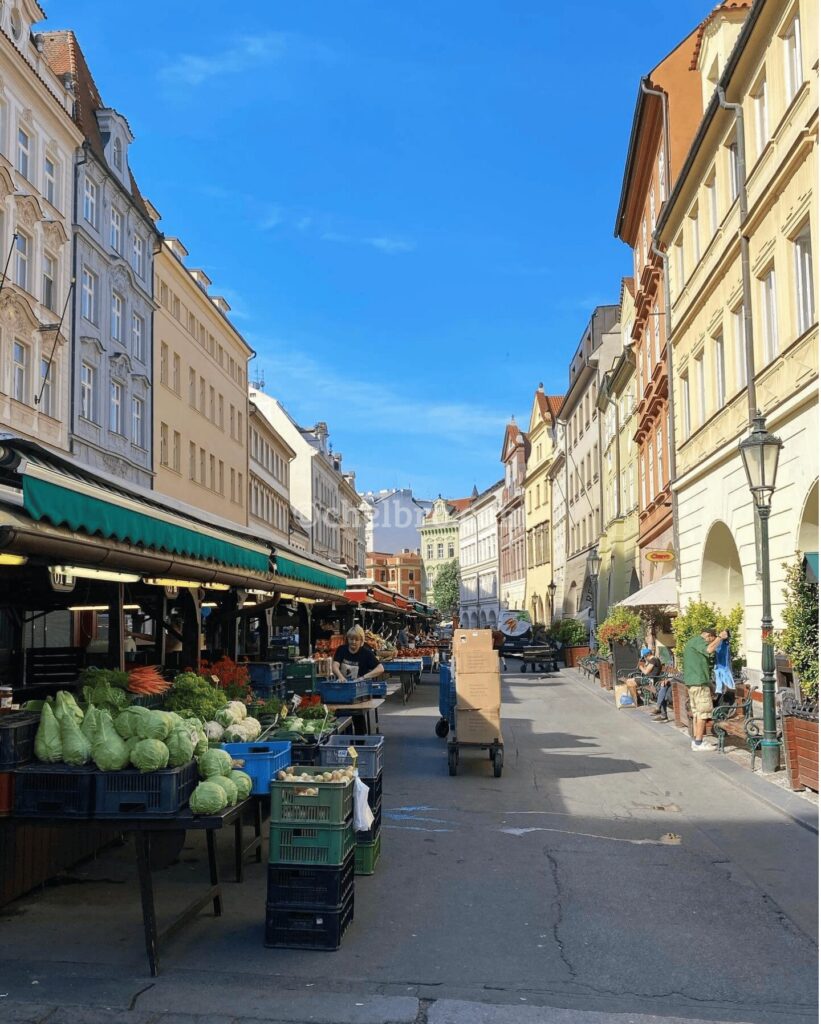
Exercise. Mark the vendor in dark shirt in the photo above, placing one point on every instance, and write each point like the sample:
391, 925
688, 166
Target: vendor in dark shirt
354, 659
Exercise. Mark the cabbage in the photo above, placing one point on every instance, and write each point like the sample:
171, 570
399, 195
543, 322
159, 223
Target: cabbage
108, 749
65, 704
215, 762
149, 755
90, 724
226, 716
127, 721
76, 748
201, 742
229, 787
48, 744
213, 731
180, 746
239, 710
155, 725
243, 782
208, 798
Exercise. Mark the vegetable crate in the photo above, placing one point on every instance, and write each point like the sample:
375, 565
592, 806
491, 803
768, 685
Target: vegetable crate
302, 885
136, 794
7, 794
326, 803
369, 835
265, 673
304, 753
369, 750
322, 845
152, 701
374, 790
17, 732
301, 670
307, 929
261, 761
379, 689
333, 692
269, 690
367, 856
54, 791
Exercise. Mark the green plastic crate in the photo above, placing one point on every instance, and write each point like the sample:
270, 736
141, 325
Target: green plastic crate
366, 856
332, 804
325, 845
301, 670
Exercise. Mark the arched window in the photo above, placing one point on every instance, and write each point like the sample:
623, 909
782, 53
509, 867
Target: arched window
118, 154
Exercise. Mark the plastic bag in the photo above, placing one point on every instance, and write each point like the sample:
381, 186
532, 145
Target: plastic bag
362, 813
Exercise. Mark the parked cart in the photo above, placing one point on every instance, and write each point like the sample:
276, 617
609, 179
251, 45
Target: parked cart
495, 749
409, 671
447, 702
542, 658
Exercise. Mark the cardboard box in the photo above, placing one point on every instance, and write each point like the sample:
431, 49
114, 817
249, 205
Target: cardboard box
478, 726
473, 651
479, 690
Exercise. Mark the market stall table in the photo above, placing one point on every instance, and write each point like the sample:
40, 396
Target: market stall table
409, 671
184, 820
364, 708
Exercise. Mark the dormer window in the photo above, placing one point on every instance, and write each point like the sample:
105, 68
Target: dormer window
118, 154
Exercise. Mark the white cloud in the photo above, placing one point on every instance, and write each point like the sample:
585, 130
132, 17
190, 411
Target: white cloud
382, 243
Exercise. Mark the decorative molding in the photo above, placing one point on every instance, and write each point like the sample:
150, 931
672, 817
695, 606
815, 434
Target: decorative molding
29, 212
15, 313
54, 233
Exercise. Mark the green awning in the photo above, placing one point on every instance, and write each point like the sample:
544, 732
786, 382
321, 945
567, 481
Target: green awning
811, 566
62, 506
308, 573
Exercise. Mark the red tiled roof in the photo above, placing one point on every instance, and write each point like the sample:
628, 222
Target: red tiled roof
556, 402
726, 5
549, 404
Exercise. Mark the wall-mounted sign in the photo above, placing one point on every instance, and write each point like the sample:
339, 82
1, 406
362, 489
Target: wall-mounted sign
61, 581
660, 556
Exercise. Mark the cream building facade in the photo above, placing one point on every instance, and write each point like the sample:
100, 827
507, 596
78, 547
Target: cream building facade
38, 142
201, 394
723, 372
539, 513
439, 534
479, 559
559, 503
269, 478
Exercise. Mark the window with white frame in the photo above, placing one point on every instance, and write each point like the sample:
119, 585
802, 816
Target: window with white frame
662, 176
720, 371
192, 387
88, 392
19, 371
805, 301
660, 458
89, 295
50, 180
192, 461
701, 389
163, 444
769, 315
163, 363
22, 257
793, 70
734, 170
116, 236
740, 345
23, 152
175, 451
761, 122
118, 154
116, 316
139, 256
46, 404
651, 470
656, 333
695, 239
89, 201
49, 297
115, 408
684, 389
138, 422
712, 204
678, 246
643, 473
138, 338
176, 374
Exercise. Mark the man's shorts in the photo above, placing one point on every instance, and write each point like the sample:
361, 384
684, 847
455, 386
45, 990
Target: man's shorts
701, 702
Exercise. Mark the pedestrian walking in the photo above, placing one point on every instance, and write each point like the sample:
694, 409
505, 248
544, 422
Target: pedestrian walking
697, 677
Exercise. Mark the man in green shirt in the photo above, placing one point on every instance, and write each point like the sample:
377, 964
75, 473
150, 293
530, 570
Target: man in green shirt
697, 674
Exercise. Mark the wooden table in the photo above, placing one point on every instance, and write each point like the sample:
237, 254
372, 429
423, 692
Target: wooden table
143, 830
364, 708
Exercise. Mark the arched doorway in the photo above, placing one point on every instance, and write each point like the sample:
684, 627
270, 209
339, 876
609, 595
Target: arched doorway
491, 619
483, 619
474, 620
722, 581
570, 600
808, 528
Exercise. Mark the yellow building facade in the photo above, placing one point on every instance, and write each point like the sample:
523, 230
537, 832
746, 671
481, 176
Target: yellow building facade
201, 392
738, 344
539, 507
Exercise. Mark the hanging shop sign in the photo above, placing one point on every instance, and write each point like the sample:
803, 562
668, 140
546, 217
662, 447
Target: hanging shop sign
62, 582
660, 556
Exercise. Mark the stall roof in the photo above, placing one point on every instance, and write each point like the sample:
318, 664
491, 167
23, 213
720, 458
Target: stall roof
299, 567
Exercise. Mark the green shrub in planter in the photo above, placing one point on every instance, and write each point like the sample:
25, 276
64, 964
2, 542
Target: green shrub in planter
701, 615
622, 626
799, 639
572, 633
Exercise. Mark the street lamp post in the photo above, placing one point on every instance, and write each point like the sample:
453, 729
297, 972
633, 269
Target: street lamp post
759, 453
551, 591
593, 566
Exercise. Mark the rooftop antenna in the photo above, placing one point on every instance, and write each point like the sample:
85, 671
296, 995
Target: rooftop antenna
258, 383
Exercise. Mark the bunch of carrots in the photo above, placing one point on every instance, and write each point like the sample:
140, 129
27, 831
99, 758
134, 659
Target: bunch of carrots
146, 681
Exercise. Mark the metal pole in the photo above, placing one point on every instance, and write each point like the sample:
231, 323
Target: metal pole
770, 747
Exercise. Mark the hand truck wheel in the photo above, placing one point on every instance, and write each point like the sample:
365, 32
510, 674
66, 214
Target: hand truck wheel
498, 762
442, 728
453, 759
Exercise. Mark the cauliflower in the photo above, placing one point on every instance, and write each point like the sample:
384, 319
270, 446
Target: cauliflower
213, 731
238, 709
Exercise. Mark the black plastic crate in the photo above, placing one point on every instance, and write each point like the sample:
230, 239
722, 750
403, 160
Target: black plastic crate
138, 794
316, 928
303, 886
54, 791
17, 732
370, 834
374, 790
305, 754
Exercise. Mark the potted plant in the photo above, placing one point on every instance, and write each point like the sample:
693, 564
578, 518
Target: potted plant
799, 641
619, 636
574, 638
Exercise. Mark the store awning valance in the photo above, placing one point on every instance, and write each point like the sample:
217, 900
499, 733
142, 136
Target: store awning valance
110, 515
306, 572
658, 594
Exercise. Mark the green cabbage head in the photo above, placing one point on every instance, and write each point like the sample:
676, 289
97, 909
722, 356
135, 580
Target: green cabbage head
243, 782
108, 749
48, 745
149, 755
215, 762
229, 787
154, 726
76, 748
208, 798
127, 721
180, 746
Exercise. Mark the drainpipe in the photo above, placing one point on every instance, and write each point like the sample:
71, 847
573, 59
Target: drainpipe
746, 282
78, 163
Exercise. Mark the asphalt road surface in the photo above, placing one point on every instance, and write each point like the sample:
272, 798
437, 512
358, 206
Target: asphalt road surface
610, 874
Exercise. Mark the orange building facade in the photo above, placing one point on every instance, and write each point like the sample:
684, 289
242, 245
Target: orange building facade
403, 573
667, 114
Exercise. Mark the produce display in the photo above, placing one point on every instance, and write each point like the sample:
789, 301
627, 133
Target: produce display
222, 785
146, 681
190, 692
342, 776
415, 652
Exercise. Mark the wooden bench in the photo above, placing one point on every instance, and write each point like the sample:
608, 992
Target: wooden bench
734, 720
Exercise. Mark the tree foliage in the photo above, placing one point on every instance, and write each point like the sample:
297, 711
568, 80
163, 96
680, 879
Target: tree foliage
446, 588
799, 639
622, 626
701, 615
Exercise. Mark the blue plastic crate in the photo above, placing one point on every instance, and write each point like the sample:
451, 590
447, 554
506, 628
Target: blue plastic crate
265, 673
262, 761
379, 689
134, 794
334, 754
403, 665
427, 662
447, 691
268, 690
54, 791
332, 691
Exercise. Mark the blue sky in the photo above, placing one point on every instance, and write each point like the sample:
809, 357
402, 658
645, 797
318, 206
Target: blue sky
410, 206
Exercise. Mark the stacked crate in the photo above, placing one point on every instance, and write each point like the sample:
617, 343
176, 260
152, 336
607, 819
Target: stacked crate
369, 766
310, 900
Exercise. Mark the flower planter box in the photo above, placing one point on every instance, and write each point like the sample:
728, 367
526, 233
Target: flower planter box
606, 673
573, 655
801, 750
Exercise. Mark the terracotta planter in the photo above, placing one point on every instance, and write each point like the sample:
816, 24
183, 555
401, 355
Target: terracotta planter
573, 655
801, 750
606, 674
